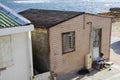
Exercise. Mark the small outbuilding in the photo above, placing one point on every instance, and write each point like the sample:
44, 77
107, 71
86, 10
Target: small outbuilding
66, 41
15, 46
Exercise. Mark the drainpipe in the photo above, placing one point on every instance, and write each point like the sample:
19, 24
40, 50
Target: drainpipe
84, 21
90, 36
91, 40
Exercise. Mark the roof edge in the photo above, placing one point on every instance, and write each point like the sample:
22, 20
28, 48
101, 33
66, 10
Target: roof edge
18, 29
14, 13
66, 20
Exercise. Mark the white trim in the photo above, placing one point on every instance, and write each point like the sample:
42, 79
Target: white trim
30, 54
18, 29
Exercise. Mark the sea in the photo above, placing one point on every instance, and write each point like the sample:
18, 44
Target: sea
65, 5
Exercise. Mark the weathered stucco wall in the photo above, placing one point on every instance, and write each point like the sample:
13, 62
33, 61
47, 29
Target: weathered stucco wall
64, 63
40, 50
105, 24
20, 70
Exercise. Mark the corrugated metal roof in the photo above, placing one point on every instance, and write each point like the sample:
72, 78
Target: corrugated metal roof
7, 21
10, 19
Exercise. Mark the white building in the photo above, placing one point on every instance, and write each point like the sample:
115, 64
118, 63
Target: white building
15, 46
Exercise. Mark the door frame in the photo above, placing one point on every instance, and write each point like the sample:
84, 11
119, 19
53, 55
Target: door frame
99, 42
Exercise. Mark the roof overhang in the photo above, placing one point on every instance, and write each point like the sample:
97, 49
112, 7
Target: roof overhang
99, 15
14, 13
18, 29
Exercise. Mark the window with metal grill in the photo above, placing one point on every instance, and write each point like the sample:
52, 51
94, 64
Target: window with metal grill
68, 41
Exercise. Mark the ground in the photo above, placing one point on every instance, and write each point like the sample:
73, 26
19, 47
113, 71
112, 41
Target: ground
112, 73
115, 43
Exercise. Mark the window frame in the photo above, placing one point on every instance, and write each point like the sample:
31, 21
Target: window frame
74, 48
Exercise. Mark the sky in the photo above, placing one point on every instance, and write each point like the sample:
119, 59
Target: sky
32, 1
102, 0
49, 1
55, 1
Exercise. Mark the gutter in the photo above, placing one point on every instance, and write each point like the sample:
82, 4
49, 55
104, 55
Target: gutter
17, 29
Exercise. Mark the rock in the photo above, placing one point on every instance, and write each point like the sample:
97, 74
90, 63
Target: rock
115, 9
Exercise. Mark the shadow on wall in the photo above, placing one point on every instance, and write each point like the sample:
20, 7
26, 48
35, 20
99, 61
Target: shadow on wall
116, 47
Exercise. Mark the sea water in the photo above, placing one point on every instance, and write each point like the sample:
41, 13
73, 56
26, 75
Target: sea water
66, 5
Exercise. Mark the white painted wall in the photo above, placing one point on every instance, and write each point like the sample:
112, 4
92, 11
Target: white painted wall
20, 70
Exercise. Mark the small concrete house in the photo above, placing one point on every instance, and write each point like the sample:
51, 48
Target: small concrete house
66, 41
15, 46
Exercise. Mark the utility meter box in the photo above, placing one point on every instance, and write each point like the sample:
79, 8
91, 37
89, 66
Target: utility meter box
88, 61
